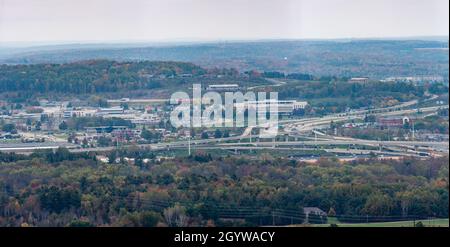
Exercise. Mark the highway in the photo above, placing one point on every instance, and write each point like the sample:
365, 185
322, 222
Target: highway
224, 144
313, 123
343, 142
327, 150
309, 124
18, 147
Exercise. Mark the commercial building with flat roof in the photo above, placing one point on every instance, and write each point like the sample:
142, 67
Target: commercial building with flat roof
223, 87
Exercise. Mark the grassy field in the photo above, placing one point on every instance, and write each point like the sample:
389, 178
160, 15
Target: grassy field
427, 223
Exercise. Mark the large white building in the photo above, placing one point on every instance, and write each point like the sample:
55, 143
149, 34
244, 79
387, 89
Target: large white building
80, 112
145, 119
110, 111
284, 107
361, 80
223, 87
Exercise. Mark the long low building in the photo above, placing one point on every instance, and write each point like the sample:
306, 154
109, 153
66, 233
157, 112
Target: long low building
223, 87
80, 112
110, 111
284, 107
137, 102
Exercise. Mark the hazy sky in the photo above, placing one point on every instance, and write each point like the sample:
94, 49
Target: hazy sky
158, 20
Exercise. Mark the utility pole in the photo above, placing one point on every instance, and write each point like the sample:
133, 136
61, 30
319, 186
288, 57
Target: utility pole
273, 219
189, 145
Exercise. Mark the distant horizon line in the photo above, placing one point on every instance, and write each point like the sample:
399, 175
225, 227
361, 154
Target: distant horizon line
440, 38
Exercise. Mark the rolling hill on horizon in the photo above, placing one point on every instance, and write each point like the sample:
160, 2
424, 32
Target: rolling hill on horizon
372, 58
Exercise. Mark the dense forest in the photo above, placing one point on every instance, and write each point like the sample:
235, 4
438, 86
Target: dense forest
94, 79
64, 189
87, 77
336, 96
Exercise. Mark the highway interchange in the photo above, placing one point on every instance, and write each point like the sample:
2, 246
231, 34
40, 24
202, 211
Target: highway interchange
294, 134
